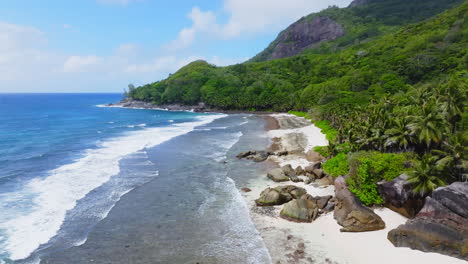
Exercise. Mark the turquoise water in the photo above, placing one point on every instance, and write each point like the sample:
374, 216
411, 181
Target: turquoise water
57, 150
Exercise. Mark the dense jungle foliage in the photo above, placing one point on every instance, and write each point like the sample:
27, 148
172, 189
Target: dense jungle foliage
393, 104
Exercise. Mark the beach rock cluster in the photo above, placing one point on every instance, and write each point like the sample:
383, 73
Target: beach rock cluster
298, 205
398, 196
351, 214
441, 226
259, 155
279, 195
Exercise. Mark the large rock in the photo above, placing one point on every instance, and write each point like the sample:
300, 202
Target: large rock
299, 171
300, 210
325, 181
279, 195
314, 170
398, 196
277, 175
321, 201
441, 226
270, 197
313, 156
294, 191
291, 173
257, 156
351, 214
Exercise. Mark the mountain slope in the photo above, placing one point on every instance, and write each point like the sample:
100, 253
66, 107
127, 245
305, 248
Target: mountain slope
361, 21
414, 55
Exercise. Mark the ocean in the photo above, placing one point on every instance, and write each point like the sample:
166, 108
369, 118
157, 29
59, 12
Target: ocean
83, 183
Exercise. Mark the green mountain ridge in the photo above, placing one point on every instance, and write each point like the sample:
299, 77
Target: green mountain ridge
342, 27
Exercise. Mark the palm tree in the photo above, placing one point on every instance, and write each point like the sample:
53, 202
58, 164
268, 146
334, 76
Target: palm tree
453, 98
399, 134
425, 177
429, 125
452, 155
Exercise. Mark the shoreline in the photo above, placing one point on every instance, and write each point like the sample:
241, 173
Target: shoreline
200, 108
321, 241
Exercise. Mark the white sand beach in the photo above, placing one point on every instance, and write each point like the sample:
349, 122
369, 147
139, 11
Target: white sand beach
321, 241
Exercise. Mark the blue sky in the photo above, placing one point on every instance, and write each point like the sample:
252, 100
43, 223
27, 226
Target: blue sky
102, 45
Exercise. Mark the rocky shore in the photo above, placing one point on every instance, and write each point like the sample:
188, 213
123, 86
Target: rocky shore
306, 216
200, 108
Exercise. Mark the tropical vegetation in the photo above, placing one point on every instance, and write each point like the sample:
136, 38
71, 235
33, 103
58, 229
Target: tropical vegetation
389, 102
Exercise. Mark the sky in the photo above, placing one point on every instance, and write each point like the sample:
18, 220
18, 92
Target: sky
103, 45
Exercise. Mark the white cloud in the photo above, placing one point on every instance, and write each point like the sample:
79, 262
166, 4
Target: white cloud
81, 63
202, 22
248, 17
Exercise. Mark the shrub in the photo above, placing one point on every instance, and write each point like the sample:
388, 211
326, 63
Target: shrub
300, 114
337, 166
323, 150
368, 168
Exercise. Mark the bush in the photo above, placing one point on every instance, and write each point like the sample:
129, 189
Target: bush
300, 114
337, 166
368, 168
323, 150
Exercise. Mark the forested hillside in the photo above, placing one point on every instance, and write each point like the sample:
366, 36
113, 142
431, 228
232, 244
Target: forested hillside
393, 104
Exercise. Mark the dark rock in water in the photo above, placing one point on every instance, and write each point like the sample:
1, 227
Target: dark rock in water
300, 210
277, 175
398, 196
351, 214
245, 189
261, 156
441, 226
282, 153
257, 156
279, 195
245, 154
307, 181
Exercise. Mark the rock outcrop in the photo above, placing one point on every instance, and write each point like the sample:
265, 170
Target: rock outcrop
398, 196
321, 201
301, 35
279, 195
358, 3
300, 210
257, 156
351, 214
277, 175
291, 173
441, 226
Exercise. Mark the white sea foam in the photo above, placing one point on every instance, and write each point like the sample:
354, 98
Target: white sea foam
140, 125
64, 186
224, 145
